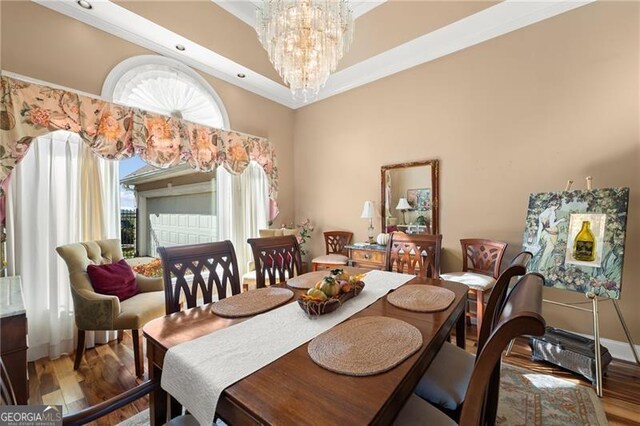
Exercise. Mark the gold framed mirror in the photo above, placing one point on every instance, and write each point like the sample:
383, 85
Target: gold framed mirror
410, 197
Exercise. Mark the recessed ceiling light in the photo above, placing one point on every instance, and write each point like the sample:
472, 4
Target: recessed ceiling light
85, 4
180, 47
241, 75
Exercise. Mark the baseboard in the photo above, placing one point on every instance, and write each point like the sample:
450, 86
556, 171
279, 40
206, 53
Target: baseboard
617, 349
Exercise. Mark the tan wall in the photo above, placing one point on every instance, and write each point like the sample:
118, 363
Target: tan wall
42, 44
518, 114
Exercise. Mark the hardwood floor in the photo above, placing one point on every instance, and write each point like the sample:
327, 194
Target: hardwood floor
108, 370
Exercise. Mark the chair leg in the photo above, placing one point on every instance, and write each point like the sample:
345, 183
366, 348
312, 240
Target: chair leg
79, 349
479, 309
138, 353
120, 335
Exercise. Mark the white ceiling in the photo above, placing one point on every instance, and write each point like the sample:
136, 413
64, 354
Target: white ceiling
502, 18
245, 10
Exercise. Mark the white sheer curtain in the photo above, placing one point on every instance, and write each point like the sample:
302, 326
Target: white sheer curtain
243, 208
59, 194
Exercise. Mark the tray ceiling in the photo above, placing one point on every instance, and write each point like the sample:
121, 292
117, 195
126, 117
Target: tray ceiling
390, 36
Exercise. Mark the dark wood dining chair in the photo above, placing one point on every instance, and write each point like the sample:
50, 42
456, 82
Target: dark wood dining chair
522, 316
446, 380
104, 408
275, 258
523, 258
481, 261
336, 254
198, 270
499, 293
416, 254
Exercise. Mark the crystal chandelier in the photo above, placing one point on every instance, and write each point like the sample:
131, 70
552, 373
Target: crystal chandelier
305, 39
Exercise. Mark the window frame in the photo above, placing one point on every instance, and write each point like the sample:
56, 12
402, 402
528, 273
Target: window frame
120, 70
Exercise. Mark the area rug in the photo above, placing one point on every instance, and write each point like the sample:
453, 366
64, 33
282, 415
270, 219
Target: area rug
530, 398
527, 398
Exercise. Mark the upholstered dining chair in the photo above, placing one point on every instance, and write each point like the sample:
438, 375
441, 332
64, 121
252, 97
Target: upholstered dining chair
276, 259
445, 382
194, 272
336, 254
522, 316
481, 260
104, 408
97, 312
417, 254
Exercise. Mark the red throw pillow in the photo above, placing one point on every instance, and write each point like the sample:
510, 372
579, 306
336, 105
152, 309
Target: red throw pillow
114, 279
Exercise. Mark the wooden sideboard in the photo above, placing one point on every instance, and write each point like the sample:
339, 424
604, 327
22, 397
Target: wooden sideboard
13, 336
371, 256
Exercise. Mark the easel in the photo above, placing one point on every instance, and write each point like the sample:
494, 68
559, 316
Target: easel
593, 299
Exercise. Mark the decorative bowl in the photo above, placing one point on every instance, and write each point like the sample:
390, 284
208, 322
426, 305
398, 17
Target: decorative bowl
313, 308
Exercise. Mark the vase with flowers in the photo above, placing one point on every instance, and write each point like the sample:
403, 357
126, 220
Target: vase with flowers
304, 234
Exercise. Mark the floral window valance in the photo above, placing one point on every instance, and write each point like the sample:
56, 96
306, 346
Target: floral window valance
117, 132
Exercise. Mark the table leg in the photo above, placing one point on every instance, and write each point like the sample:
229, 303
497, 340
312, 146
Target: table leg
461, 327
157, 398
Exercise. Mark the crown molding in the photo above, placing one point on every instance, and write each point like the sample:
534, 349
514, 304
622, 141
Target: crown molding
122, 23
243, 10
502, 18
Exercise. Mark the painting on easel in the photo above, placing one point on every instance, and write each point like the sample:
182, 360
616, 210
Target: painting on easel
577, 238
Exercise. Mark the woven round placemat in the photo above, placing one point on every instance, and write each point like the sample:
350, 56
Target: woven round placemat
421, 298
252, 302
365, 346
309, 280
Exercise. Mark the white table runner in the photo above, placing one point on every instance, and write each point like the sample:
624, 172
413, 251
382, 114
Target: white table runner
197, 372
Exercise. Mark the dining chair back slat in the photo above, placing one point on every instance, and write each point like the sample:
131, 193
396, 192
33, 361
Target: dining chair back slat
276, 259
198, 270
482, 256
335, 242
414, 254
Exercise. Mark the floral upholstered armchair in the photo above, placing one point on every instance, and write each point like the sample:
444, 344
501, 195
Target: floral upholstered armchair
95, 311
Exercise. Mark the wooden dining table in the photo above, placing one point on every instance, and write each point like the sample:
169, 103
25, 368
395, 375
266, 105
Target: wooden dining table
293, 389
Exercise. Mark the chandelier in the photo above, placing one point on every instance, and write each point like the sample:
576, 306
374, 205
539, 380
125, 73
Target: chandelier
305, 39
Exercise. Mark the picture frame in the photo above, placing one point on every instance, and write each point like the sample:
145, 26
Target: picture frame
552, 224
419, 199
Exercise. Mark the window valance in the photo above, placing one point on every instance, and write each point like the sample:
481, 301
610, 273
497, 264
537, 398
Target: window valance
117, 132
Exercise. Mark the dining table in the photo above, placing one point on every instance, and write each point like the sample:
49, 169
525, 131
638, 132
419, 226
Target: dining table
295, 390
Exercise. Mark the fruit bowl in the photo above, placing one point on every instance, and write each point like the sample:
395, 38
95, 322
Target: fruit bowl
332, 299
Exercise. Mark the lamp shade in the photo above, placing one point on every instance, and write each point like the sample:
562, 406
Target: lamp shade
403, 204
368, 211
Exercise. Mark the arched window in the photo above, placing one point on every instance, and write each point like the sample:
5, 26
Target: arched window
166, 86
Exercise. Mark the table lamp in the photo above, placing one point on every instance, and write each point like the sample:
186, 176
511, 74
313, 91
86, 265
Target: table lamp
368, 212
403, 206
